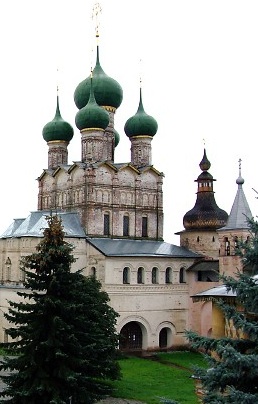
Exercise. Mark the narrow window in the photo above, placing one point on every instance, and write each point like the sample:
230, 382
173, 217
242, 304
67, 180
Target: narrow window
144, 226
126, 225
182, 275
227, 246
154, 275
140, 274
126, 274
168, 275
106, 224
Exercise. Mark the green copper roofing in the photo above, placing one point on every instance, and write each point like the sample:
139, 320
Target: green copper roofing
107, 91
57, 129
141, 124
92, 115
117, 137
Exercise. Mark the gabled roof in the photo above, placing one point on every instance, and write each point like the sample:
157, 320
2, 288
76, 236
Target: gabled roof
35, 223
140, 248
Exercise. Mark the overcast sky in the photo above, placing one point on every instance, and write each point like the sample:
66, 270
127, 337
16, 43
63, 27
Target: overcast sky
199, 69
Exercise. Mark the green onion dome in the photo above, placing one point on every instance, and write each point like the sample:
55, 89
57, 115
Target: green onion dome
117, 137
141, 124
57, 129
92, 115
107, 91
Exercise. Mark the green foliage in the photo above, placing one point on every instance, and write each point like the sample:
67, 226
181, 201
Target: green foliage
63, 331
232, 376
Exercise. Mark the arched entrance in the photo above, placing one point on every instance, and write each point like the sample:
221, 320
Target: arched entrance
163, 338
130, 337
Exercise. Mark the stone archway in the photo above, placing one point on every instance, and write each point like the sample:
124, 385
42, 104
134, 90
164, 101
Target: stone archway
131, 337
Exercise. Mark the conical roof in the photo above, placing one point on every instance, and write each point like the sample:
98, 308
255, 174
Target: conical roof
57, 129
205, 215
240, 210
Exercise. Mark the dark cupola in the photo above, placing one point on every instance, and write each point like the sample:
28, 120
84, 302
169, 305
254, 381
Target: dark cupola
205, 215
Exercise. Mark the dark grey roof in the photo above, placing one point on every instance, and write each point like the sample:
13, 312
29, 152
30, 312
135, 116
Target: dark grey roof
203, 266
145, 248
35, 223
240, 210
216, 292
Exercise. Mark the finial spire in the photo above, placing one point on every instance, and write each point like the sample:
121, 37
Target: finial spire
240, 180
239, 166
96, 11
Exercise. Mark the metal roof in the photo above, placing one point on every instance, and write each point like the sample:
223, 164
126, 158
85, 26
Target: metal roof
126, 247
206, 265
216, 292
35, 223
240, 210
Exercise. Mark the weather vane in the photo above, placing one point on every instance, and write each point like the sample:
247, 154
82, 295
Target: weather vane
204, 144
96, 11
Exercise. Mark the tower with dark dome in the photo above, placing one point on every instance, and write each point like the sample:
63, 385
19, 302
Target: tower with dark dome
205, 218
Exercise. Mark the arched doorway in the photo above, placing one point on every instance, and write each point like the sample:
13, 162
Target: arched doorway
163, 338
130, 337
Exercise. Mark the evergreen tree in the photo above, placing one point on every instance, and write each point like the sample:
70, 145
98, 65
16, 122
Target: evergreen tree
232, 376
63, 331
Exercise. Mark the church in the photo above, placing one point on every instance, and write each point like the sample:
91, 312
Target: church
112, 213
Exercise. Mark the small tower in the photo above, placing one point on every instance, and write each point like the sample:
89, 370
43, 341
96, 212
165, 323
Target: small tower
236, 229
202, 222
57, 134
140, 129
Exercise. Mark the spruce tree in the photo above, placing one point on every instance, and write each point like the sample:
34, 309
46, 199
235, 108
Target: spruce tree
62, 329
232, 376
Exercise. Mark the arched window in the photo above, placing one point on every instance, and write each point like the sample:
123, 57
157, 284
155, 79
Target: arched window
140, 275
227, 246
168, 275
106, 224
8, 265
126, 225
93, 272
144, 226
198, 239
182, 275
154, 275
126, 275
